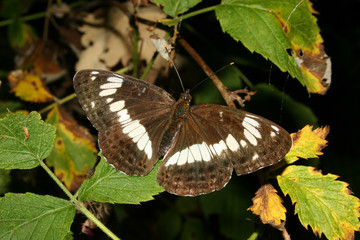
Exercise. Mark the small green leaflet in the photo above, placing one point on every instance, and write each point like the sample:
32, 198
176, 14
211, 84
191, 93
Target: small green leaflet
24, 140
174, 7
321, 201
110, 185
31, 216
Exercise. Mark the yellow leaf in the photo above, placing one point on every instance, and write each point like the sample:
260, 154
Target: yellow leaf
307, 143
28, 86
74, 150
268, 205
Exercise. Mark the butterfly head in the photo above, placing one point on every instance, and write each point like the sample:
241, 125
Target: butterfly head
186, 97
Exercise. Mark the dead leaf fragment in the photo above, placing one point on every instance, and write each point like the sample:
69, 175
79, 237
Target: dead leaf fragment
268, 206
29, 86
315, 66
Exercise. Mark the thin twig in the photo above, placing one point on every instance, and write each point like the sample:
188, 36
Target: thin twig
229, 96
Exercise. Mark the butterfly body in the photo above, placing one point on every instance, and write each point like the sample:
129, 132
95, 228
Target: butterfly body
139, 122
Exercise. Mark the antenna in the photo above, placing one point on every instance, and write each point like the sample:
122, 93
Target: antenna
214, 73
177, 72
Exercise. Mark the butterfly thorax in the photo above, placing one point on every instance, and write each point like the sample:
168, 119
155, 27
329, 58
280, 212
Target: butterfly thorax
177, 118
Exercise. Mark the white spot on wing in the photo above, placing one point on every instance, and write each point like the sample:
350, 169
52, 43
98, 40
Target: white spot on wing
272, 134
250, 137
173, 159
194, 149
94, 72
92, 104
275, 128
93, 78
109, 100
251, 129
232, 143
243, 143
111, 85
148, 150
183, 156
131, 126
141, 144
107, 92
256, 156
117, 106
219, 147
204, 152
251, 121
136, 132
123, 115
117, 79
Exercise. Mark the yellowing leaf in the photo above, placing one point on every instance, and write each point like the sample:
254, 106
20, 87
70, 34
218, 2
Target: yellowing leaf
29, 86
268, 205
74, 150
321, 202
307, 143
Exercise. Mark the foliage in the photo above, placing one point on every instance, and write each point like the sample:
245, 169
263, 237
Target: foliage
284, 32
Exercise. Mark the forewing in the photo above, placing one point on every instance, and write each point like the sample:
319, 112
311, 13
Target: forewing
129, 114
215, 140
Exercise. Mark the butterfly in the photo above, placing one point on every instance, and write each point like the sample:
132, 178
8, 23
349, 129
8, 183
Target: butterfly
138, 122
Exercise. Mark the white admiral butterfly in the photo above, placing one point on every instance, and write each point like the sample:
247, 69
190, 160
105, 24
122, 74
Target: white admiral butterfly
139, 122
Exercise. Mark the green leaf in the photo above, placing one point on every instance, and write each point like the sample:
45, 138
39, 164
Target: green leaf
110, 185
31, 216
74, 150
255, 23
20, 33
270, 28
175, 7
19, 151
321, 202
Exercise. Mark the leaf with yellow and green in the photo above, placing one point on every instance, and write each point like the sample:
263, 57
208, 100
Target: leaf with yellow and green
25, 140
74, 150
109, 185
29, 86
268, 206
321, 201
273, 29
307, 143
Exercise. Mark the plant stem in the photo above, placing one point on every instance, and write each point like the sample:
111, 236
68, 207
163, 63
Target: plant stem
79, 205
174, 21
61, 101
135, 40
149, 65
